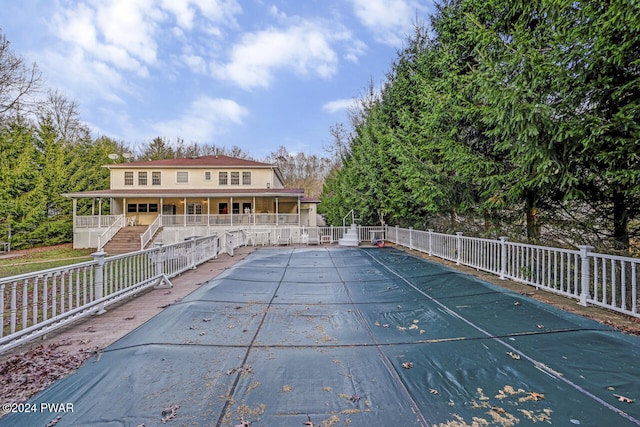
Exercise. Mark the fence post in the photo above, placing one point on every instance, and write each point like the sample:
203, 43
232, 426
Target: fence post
503, 257
192, 253
430, 248
585, 274
458, 246
410, 238
159, 258
98, 257
396, 242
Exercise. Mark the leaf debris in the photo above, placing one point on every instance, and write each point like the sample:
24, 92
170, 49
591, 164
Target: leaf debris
624, 399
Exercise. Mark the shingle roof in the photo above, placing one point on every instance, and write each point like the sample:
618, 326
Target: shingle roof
204, 161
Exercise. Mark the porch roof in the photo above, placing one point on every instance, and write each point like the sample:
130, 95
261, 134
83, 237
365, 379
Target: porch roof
231, 192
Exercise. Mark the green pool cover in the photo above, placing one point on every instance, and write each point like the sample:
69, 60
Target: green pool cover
352, 336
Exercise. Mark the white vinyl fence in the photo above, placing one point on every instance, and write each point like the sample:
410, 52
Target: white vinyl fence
33, 304
607, 281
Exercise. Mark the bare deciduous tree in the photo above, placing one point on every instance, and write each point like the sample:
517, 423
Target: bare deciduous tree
17, 80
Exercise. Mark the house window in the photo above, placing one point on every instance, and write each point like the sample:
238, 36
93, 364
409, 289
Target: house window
207, 176
153, 207
132, 207
235, 208
246, 178
155, 178
142, 178
128, 178
235, 178
222, 178
182, 177
142, 207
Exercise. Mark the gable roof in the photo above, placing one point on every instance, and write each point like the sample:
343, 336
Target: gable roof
193, 162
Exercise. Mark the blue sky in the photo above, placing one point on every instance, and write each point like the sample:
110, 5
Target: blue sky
253, 73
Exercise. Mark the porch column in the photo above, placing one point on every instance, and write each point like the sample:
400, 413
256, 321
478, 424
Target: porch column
208, 210
253, 211
99, 211
276, 211
124, 209
161, 209
298, 211
230, 211
184, 211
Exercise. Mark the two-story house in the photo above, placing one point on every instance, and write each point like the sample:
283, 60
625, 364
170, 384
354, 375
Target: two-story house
193, 196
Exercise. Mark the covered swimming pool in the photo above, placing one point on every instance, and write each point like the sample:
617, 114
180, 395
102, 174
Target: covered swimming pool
353, 336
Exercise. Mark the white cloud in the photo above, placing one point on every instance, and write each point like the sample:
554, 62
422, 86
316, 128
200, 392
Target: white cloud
126, 35
205, 118
389, 20
338, 105
304, 48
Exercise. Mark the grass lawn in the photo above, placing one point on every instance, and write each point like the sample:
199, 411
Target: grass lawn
35, 259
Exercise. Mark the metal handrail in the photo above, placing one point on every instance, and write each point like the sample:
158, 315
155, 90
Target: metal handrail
353, 218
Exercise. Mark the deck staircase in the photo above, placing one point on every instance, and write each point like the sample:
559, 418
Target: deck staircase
126, 240
350, 238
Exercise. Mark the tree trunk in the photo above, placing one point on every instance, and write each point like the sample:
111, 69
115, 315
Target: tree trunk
533, 216
620, 221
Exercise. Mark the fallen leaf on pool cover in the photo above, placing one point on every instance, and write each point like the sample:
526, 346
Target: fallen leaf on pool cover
355, 398
407, 365
536, 396
169, 413
308, 423
624, 399
54, 421
433, 391
243, 423
513, 355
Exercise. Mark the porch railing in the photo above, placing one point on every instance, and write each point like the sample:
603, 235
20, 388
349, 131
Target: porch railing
231, 220
603, 280
36, 303
111, 231
94, 221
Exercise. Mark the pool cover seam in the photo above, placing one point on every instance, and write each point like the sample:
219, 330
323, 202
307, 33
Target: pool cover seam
385, 360
232, 390
536, 363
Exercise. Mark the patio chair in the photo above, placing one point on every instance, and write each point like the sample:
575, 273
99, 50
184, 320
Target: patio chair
284, 237
313, 238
